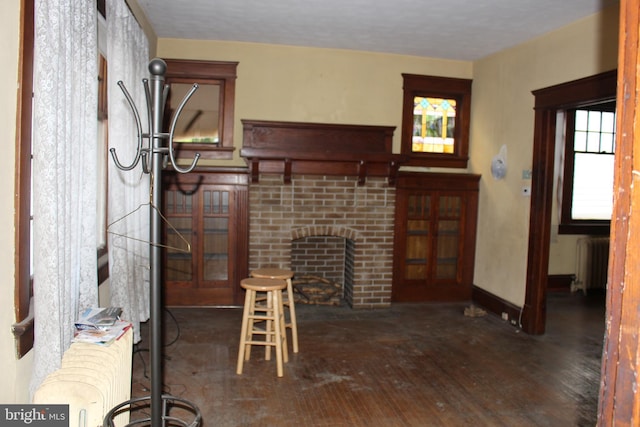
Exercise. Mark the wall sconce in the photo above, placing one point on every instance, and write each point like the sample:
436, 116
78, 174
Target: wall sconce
499, 163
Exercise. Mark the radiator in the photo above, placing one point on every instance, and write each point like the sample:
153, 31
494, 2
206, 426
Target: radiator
92, 379
592, 263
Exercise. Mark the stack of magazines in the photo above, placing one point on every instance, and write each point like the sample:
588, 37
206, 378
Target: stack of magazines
100, 326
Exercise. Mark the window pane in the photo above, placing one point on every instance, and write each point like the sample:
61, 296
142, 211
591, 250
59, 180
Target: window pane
594, 121
593, 142
580, 141
592, 186
606, 143
433, 125
199, 121
581, 119
608, 122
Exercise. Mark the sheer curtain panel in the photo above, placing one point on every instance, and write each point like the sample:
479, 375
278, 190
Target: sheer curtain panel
64, 175
129, 193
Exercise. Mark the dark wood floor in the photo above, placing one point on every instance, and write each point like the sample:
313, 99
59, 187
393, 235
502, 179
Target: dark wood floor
409, 365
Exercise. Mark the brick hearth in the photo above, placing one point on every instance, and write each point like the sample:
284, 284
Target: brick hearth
314, 205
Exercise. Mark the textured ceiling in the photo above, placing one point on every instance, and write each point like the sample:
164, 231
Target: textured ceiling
450, 29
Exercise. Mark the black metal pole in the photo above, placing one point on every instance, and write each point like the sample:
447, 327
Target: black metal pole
157, 68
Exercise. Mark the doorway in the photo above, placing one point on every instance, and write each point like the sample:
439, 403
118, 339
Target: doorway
548, 103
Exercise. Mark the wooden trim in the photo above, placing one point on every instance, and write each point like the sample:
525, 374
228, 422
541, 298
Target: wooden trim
289, 148
534, 311
548, 102
222, 73
577, 93
496, 305
24, 341
103, 273
560, 282
619, 403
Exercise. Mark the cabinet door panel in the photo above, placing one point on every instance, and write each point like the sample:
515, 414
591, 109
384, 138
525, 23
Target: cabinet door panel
434, 242
179, 265
212, 217
216, 249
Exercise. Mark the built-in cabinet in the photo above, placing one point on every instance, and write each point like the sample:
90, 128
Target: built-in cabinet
435, 234
206, 235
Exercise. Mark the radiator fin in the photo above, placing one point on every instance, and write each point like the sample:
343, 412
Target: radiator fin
92, 379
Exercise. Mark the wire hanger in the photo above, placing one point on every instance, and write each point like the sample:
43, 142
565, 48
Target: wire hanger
164, 219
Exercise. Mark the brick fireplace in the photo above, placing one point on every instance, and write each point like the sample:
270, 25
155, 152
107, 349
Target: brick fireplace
315, 206
319, 182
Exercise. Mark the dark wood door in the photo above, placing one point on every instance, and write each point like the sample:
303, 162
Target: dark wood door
434, 237
206, 240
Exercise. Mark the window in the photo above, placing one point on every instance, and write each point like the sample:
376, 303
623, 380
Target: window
435, 120
205, 124
587, 189
23, 328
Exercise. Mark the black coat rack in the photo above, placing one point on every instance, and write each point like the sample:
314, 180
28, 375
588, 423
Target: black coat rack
154, 156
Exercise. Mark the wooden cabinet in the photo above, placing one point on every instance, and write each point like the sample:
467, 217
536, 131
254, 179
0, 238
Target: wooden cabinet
206, 235
435, 234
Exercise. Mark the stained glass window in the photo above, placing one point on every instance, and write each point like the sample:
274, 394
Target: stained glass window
436, 114
433, 125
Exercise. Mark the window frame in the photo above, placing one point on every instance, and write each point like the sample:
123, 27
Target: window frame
23, 328
569, 225
222, 73
437, 87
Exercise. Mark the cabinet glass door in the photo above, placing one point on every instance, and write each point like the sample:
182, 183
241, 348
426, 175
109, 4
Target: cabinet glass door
417, 240
179, 262
215, 253
448, 238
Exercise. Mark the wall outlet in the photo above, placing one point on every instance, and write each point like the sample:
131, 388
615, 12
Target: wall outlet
505, 315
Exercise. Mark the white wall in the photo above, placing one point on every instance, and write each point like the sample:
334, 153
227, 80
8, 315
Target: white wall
502, 113
15, 373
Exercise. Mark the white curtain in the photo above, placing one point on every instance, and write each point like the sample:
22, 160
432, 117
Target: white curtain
64, 175
128, 213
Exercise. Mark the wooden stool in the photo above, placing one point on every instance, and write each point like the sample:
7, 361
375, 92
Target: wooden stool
282, 274
271, 313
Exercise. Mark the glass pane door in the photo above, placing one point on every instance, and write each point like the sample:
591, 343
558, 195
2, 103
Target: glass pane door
448, 240
215, 252
418, 246
179, 262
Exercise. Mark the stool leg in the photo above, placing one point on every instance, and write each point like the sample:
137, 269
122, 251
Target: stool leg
244, 333
250, 322
281, 322
277, 312
269, 326
293, 324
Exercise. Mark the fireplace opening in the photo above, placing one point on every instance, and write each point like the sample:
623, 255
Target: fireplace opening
324, 269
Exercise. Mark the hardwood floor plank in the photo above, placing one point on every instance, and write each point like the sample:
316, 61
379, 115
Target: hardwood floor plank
409, 365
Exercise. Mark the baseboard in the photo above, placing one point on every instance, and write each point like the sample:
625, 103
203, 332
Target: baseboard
504, 309
560, 282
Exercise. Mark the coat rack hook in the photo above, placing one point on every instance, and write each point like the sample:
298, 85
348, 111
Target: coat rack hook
140, 135
173, 128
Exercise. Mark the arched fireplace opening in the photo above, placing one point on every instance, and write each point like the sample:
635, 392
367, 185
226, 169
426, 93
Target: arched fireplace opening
324, 268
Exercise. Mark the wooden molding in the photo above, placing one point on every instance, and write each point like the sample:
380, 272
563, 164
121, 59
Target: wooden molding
288, 148
496, 305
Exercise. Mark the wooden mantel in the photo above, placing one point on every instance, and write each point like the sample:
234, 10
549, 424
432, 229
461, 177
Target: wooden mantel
287, 148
